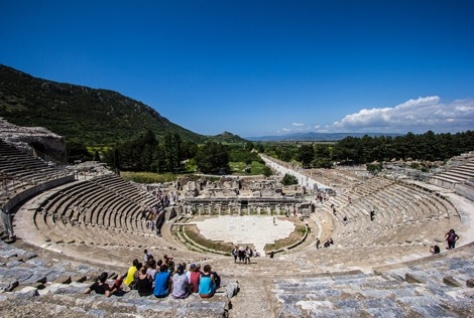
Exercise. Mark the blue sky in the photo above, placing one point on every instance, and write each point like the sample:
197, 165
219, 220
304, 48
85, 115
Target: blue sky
259, 68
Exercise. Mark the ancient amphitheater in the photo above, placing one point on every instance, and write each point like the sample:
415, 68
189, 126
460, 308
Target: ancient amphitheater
72, 223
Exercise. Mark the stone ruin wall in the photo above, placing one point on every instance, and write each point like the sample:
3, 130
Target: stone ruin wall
49, 146
224, 197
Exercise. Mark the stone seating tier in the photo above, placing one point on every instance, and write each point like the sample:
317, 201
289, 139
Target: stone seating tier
403, 215
86, 213
50, 288
120, 186
432, 287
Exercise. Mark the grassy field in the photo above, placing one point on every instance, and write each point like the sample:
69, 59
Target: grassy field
149, 177
239, 168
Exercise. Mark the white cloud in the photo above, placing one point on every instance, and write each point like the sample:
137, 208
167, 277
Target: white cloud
415, 115
298, 124
286, 129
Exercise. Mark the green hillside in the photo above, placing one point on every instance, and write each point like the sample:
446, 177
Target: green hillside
92, 116
227, 138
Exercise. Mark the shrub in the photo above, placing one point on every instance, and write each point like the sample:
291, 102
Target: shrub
289, 179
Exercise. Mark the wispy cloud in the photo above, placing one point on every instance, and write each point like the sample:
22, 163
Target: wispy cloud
298, 124
286, 129
415, 115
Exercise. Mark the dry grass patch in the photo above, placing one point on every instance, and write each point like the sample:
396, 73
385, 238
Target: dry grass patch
194, 234
295, 236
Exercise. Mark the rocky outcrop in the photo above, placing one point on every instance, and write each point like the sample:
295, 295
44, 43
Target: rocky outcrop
36, 141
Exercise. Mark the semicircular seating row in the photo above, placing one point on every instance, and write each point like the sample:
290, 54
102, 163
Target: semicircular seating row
96, 211
19, 170
403, 214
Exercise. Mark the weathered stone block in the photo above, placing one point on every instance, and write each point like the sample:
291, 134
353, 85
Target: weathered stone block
450, 281
414, 279
470, 283
28, 292
79, 278
63, 280
8, 284
38, 285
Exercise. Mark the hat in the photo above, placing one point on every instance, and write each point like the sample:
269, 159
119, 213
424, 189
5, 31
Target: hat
192, 266
180, 268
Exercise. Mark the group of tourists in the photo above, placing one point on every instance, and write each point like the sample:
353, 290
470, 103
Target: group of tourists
244, 254
322, 197
161, 278
326, 244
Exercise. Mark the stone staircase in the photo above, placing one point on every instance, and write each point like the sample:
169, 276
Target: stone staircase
456, 175
439, 286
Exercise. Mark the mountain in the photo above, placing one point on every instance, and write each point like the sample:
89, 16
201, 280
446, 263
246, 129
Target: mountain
92, 116
313, 136
227, 137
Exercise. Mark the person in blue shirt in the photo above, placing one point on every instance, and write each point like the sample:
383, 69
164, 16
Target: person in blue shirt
163, 282
207, 284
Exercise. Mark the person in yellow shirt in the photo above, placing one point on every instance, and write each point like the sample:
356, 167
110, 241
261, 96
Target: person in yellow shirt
131, 273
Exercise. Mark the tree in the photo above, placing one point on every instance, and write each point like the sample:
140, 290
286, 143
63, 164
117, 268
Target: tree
322, 162
306, 155
77, 151
136, 154
289, 179
96, 156
267, 171
188, 149
374, 169
213, 158
322, 155
259, 147
249, 146
172, 148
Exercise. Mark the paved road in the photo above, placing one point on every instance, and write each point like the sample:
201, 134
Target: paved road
303, 180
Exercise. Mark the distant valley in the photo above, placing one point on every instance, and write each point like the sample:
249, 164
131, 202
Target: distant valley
313, 136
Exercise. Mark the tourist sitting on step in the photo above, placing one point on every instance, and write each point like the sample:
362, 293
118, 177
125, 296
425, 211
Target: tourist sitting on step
181, 284
135, 276
147, 256
451, 238
163, 282
169, 262
328, 243
194, 276
318, 242
102, 288
151, 268
434, 249
130, 276
207, 283
144, 283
